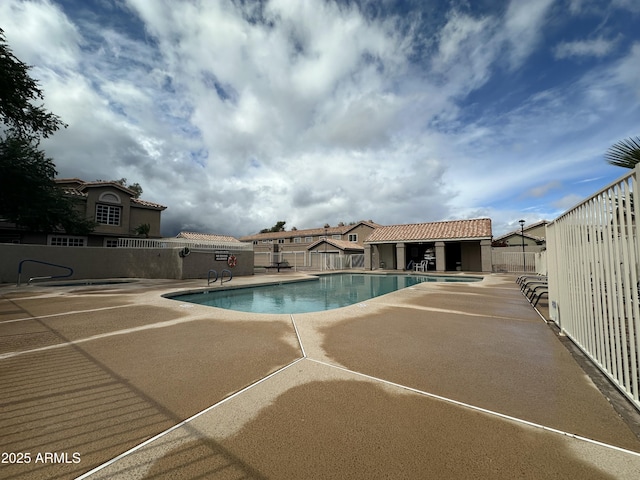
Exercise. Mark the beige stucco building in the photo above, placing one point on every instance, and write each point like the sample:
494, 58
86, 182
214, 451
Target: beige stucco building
116, 211
532, 237
270, 247
445, 246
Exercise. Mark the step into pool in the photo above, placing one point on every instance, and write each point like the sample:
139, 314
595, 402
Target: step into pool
325, 293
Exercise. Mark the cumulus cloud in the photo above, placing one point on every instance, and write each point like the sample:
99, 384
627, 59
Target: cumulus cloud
239, 114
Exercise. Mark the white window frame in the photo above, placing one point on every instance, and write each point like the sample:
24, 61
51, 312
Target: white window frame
108, 214
281, 240
66, 241
336, 237
110, 242
353, 237
297, 240
308, 239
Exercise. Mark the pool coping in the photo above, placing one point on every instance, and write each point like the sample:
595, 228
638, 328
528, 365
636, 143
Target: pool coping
311, 278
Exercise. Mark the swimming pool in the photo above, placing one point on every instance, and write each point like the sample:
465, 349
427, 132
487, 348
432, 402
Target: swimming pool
326, 293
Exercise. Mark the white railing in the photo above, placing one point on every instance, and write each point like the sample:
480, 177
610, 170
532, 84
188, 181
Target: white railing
513, 261
181, 243
592, 260
315, 260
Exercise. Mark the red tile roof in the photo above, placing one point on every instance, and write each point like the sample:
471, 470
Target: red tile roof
450, 230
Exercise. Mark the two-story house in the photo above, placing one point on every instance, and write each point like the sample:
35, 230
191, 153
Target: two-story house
269, 247
114, 208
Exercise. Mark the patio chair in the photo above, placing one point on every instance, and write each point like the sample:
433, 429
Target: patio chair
524, 279
421, 267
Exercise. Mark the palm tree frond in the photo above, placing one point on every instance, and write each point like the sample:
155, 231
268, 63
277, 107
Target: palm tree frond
625, 153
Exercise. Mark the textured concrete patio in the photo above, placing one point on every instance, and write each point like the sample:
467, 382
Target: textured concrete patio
439, 380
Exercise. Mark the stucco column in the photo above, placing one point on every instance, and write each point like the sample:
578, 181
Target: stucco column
367, 257
400, 256
441, 261
486, 255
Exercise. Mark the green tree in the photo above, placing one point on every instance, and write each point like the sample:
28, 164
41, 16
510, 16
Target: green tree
278, 227
143, 229
18, 92
134, 187
29, 196
625, 153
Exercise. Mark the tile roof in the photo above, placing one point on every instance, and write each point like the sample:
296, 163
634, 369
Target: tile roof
341, 244
76, 188
449, 230
144, 203
206, 236
340, 230
74, 192
518, 235
527, 235
81, 185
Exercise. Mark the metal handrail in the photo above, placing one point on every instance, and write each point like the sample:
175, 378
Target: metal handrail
222, 276
209, 277
45, 277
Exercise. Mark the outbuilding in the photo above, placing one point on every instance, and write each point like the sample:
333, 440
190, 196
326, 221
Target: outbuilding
440, 246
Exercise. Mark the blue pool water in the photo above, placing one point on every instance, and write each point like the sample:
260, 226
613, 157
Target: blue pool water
326, 293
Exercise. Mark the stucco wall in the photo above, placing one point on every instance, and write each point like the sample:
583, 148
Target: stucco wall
387, 256
471, 256
518, 248
516, 241
140, 216
198, 263
539, 231
98, 262
363, 232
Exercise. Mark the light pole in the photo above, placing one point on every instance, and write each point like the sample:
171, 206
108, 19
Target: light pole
521, 222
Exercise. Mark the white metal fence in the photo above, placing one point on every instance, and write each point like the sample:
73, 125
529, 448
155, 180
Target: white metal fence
303, 260
592, 259
181, 243
513, 261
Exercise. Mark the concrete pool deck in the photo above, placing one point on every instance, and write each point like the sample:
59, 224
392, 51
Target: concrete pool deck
439, 380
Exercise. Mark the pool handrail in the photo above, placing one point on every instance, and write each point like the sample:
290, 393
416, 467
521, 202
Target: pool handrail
215, 275
209, 277
222, 276
44, 277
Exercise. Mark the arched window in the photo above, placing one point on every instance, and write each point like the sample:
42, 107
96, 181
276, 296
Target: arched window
109, 197
108, 214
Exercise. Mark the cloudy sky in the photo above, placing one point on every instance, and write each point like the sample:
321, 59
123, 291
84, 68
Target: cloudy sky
237, 114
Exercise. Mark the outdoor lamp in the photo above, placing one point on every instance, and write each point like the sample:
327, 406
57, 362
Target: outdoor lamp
521, 222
